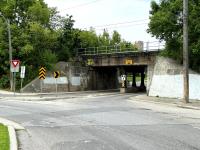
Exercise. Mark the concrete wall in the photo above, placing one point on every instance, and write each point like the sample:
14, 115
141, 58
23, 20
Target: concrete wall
167, 80
150, 70
73, 78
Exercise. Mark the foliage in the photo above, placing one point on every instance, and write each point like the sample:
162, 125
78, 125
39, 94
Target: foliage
41, 37
49, 56
4, 81
4, 138
166, 24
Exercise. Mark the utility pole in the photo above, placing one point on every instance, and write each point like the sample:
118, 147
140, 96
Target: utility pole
10, 48
10, 54
185, 53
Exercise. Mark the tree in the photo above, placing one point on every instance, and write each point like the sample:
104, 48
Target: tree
116, 38
166, 24
65, 48
104, 39
33, 39
41, 37
88, 38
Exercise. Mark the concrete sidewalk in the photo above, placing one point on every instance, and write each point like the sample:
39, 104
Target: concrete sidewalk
194, 104
3, 92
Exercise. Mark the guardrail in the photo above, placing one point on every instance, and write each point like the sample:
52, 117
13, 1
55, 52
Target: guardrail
116, 49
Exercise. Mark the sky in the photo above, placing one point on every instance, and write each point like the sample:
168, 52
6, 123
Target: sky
129, 17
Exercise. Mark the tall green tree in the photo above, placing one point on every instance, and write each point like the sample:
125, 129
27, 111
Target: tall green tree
105, 39
33, 39
116, 38
66, 43
166, 24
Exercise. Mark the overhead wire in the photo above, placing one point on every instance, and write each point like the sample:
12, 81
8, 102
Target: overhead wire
124, 26
108, 26
120, 23
80, 5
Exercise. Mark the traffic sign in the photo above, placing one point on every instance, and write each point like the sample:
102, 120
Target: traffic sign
42, 72
22, 74
90, 62
56, 74
128, 61
14, 65
123, 77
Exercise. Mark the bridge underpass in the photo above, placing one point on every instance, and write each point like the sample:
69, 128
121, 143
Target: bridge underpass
106, 68
109, 77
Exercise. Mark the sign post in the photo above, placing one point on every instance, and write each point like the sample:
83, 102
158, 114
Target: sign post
42, 73
14, 67
56, 76
14, 76
123, 84
22, 75
123, 78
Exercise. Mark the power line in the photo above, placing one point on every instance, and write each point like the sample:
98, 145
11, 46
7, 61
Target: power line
124, 26
81, 5
120, 23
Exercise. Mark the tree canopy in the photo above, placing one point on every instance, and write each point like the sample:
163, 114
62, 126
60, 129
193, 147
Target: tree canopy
166, 23
41, 37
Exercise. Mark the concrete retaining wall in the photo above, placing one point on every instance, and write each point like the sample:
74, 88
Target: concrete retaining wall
167, 80
73, 78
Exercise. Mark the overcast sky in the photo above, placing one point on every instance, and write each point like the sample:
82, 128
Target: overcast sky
128, 17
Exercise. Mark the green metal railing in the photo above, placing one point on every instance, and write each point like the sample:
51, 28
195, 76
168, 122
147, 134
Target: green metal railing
111, 50
104, 50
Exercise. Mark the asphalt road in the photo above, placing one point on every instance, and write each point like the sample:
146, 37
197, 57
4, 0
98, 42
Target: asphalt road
103, 122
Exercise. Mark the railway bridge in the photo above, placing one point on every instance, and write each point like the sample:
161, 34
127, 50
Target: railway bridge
107, 65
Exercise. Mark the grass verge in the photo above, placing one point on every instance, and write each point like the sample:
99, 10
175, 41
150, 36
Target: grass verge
4, 138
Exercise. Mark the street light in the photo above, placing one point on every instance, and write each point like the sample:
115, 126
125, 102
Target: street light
10, 47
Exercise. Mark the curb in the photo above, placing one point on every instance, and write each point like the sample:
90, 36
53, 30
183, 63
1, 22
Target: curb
13, 138
179, 105
53, 97
12, 127
11, 123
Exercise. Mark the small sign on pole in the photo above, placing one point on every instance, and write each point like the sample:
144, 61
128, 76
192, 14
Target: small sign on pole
22, 75
42, 72
123, 78
14, 65
56, 76
42, 75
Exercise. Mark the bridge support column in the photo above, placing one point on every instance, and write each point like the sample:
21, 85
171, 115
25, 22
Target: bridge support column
142, 86
134, 81
118, 78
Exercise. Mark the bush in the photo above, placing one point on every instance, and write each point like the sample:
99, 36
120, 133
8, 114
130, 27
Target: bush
4, 81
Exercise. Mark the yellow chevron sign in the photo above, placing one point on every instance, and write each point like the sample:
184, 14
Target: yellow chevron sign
128, 61
42, 72
56, 74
